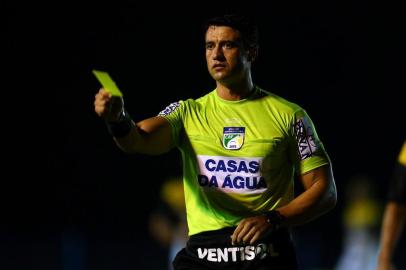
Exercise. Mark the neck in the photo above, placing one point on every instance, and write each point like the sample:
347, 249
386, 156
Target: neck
236, 91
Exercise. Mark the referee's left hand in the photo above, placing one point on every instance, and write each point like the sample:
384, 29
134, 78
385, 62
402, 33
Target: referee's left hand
249, 230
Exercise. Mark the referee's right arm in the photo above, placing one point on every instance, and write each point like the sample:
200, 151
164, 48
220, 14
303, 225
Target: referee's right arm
151, 136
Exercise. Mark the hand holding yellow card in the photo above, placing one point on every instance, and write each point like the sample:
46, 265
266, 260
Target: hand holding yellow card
107, 83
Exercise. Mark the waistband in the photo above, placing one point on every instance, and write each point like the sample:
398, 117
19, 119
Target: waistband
215, 246
222, 237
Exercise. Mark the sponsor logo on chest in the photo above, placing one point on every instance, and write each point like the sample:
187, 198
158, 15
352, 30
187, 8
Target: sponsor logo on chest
231, 174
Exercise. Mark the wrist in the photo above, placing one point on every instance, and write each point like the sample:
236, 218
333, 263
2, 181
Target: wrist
275, 218
117, 118
121, 126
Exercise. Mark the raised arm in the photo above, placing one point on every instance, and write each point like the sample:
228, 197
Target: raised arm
151, 136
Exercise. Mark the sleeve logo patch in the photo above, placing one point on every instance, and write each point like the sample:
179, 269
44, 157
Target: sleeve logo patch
305, 138
233, 137
169, 109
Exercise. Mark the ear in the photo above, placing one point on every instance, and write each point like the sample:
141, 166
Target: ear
252, 54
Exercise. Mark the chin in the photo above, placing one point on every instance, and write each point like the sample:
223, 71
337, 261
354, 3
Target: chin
218, 76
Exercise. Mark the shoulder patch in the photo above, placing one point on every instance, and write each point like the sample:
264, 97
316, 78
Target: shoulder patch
305, 138
169, 109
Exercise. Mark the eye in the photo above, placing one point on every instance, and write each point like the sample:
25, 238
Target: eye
209, 45
229, 45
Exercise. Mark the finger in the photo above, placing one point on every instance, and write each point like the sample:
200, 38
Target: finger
255, 238
243, 233
103, 91
250, 234
101, 104
236, 232
101, 100
100, 110
243, 230
104, 94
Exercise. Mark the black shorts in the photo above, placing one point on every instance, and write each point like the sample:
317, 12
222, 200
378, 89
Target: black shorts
213, 250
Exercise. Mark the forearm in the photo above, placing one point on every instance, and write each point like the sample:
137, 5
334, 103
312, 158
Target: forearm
151, 136
319, 197
316, 200
134, 142
393, 223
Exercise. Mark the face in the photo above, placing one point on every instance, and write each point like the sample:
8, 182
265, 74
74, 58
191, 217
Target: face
227, 59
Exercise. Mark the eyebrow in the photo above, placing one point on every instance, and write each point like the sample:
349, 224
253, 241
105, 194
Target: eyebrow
224, 41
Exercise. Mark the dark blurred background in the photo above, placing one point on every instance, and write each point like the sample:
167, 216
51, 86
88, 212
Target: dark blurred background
71, 200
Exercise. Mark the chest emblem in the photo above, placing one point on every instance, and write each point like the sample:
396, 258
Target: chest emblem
233, 137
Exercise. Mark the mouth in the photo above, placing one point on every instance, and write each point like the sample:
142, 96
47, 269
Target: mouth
218, 66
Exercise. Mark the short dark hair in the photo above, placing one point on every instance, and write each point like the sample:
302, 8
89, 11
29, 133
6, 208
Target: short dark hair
244, 24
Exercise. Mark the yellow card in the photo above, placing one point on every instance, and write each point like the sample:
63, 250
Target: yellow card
107, 83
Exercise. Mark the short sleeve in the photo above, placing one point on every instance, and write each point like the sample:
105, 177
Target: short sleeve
308, 151
173, 114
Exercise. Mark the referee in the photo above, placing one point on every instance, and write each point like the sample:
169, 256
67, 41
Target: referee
241, 147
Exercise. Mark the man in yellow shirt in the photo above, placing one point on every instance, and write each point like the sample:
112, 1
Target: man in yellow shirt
241, 148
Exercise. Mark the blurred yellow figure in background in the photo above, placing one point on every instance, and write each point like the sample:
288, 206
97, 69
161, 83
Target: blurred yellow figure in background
361, 220
168, 223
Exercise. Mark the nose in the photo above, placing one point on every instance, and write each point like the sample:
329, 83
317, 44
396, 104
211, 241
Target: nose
218, 53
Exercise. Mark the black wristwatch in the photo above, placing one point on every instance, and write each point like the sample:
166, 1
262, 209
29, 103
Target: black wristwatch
275, 218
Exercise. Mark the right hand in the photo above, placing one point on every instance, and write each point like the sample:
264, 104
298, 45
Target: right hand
108, 107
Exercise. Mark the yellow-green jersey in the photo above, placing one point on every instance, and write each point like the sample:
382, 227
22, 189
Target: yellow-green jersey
240, 157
